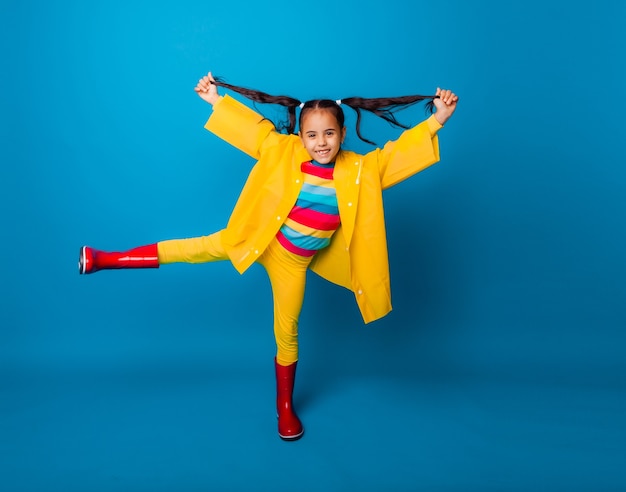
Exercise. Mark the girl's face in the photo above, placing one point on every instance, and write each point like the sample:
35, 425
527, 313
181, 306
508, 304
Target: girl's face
321, 135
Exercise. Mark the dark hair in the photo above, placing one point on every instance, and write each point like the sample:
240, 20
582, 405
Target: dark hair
326, 104
383, 107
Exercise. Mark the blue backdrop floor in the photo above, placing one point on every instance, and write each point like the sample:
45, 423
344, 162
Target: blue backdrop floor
204, 427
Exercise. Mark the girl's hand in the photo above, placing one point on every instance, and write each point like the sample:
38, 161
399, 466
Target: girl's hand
206, 90
445, 104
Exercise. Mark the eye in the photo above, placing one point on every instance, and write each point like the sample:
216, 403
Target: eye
330, 133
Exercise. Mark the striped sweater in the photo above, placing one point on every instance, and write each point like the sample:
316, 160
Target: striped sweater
315, 216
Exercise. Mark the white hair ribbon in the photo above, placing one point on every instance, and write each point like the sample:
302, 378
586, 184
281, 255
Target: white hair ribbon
301, 105
338, 101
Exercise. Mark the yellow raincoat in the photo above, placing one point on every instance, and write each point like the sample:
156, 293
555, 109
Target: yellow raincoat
357, 255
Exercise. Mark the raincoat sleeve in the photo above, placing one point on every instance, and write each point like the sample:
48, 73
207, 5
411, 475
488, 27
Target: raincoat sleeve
241, 127
412, 152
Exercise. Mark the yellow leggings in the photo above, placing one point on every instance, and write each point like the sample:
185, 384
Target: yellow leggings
286, 271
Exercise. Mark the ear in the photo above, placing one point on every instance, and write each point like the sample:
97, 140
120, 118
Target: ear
343, 134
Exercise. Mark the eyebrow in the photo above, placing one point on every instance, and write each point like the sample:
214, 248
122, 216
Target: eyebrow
327, 130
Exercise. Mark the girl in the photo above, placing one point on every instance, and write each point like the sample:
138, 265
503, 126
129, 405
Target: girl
307, 203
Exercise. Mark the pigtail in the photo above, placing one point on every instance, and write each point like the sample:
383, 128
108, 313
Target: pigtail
358, 125
385, 107
262, 97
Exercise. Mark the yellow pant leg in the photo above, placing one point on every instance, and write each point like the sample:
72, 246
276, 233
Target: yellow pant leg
287, 273
193, 250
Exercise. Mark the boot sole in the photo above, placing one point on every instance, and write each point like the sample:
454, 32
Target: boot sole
82, 261
292, 438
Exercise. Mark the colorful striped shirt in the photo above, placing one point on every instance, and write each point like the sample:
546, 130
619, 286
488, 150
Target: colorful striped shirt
315, 216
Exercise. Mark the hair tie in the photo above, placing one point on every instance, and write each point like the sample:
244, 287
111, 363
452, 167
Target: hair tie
338, 101
301, 105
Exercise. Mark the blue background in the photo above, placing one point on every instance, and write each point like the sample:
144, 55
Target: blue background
502, 366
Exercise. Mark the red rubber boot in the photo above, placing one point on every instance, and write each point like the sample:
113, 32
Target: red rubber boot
289, 425
91, 260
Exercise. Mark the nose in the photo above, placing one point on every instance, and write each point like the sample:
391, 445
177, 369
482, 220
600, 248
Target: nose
321, 140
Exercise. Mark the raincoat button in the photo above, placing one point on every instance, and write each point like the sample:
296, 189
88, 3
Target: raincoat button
278, 217
360, 292
349, 204
256, 251
297, 180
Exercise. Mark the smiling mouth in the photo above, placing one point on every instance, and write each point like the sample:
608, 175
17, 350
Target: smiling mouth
323, 152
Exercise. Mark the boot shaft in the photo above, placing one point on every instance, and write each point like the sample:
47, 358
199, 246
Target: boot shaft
289, 425
92, 260
285, 379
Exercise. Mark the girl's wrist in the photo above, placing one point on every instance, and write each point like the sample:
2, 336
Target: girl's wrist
214, 100
441, 117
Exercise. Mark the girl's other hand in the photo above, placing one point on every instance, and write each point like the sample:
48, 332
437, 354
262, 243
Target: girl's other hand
207, 90
445, 104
